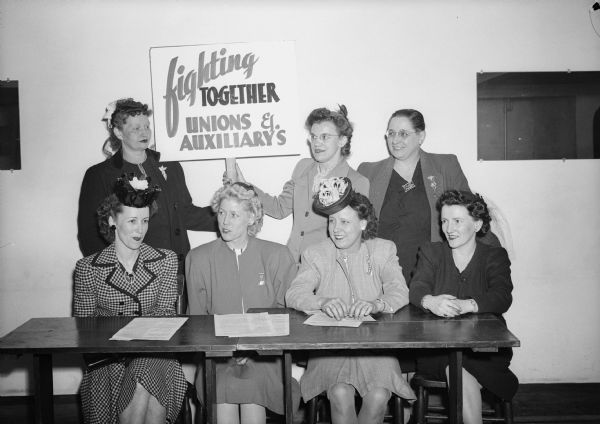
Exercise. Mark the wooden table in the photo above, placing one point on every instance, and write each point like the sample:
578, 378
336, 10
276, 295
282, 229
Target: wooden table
410, 327
44, 337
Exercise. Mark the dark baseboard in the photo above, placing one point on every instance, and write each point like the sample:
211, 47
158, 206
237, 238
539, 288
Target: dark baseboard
28, 399
565, 403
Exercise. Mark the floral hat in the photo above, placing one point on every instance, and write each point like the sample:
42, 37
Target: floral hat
135, 192
334, 195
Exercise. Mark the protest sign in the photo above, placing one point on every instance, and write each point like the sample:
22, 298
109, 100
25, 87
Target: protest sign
225, 100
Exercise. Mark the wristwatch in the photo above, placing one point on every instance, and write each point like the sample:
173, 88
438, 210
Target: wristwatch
380, 304
474, 305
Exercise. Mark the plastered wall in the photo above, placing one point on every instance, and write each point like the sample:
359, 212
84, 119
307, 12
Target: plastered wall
72, 58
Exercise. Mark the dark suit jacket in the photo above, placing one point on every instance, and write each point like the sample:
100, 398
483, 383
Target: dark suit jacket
176, 213
441, 172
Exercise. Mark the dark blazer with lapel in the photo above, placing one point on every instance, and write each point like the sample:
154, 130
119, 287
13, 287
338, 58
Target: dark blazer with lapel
101, 289
441, 172
174, 201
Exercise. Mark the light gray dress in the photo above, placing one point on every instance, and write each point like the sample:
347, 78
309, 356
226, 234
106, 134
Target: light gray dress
371, 273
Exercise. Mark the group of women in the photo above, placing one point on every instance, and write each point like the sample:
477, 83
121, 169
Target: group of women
341, 259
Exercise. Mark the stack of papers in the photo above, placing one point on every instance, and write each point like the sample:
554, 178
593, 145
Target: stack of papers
321, 319
252, 325
149, 329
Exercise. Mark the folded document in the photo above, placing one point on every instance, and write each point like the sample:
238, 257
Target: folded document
321, 319
252, 325
149, 329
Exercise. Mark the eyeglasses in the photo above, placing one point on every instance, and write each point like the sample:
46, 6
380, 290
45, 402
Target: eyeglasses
403, 134
322, 137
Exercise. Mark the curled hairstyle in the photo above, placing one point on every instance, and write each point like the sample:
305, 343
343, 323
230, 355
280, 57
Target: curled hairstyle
112, 206
246, 196
124, 108
474, 204
414, 116
364, 208
338, 118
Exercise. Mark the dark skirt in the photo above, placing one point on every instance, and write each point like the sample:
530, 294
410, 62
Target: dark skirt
258, 381
107, 390
489, 368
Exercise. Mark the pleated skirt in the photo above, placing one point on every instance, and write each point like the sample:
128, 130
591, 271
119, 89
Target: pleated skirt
107, 390
365, 370
491, 369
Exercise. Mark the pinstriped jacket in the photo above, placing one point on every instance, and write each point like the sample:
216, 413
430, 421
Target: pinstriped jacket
101, 288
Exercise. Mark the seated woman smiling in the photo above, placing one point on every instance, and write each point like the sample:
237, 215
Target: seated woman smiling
351, 273
463, 276
129, 277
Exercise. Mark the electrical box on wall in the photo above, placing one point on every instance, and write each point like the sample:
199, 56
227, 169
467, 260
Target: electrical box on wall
10, 139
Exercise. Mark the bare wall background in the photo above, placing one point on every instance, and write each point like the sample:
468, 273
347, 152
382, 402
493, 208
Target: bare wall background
72, 58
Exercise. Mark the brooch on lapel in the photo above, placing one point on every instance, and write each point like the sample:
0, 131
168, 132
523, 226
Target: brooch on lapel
369, 269
433, 184
408, 186
261, 278
163, 170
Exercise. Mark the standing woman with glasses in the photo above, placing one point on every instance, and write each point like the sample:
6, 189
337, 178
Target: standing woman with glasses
405, 187
330, 133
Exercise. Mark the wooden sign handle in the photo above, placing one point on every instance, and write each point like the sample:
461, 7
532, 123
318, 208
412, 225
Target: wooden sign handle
230, 170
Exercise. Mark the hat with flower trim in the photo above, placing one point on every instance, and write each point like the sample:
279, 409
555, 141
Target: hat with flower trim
135, 192
334, 195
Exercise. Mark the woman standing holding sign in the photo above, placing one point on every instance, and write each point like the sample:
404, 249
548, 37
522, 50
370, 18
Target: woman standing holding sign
330, 134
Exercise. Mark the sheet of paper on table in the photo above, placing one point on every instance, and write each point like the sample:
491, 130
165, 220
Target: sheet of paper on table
321, 319
150, 329
260, 324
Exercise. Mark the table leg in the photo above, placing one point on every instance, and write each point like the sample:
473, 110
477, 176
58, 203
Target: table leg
43, 390
210, 392
455, 390
287, 387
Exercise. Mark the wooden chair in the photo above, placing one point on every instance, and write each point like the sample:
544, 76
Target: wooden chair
185, 414
190, 398
317, 410
502, 411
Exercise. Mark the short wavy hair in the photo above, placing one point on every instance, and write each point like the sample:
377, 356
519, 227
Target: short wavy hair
474, 204
414, 116
339, 118
365, 210
124, 108
112, 206
246, 195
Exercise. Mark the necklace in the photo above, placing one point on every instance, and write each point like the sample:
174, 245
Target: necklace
408, 186
141, 168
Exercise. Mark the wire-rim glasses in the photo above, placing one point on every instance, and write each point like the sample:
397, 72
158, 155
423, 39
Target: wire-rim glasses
403, 134
323, 138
